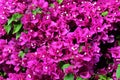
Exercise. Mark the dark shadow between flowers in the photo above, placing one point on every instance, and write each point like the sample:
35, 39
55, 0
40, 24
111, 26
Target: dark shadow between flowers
46, 77
3, 74
74, 41
72, 25
7, 69
104, 61
117, 32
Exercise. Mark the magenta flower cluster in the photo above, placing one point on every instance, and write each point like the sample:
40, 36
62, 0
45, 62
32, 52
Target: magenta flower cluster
59, 39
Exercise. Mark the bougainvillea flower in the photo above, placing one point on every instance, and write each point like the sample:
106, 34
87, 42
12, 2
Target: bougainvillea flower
59, 39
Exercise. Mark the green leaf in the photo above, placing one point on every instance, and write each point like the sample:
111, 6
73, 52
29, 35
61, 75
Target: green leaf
105, 13
18, 35
17, 28
23, 69
65, 66
109, 78
38, 10
80, 49
118, 71
59, 1
25, 31
119, 42
2, 74
16, 16
78, 78
69, 77
10, 21
102, 77
21, 54
7, 28
52, 5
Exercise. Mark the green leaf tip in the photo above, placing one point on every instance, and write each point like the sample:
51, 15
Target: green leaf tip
3, 73
80, 49
59, 1
21, 54
7, 28
118, 72
104, 77
69, 77
79, 78
52, 5
17, 35
105, 13
65, 66
16, 16
38, 10
17, 28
